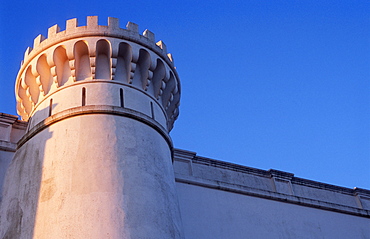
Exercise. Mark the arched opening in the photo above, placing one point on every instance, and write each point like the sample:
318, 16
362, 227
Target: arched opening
82, 61
124, 58
30, 81
62, 68
158, 76
103, 65
167, 92
25, 103
43, 69
141, 72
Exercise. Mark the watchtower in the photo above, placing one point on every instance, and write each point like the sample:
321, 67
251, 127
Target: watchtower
95, 161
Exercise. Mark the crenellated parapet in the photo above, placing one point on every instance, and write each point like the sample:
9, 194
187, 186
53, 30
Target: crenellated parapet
94, 53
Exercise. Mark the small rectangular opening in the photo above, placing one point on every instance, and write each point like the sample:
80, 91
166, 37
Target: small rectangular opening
83, 96
50, 107
121, 98
152, 109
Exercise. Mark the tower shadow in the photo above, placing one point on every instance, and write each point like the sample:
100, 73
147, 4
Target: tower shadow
22, 182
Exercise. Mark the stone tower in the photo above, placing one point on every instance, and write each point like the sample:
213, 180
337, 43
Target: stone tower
96, 160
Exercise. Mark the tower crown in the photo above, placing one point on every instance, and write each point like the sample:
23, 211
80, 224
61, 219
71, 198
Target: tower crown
92, 53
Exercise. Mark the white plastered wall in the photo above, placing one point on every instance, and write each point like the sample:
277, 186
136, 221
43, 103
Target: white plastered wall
216, 214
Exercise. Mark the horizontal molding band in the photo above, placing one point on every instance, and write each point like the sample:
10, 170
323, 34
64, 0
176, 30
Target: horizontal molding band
275, 196
96, 109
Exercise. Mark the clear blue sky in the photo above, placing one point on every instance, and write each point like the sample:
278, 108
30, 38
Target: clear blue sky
266, 84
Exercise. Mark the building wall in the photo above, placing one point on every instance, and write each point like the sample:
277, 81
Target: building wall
11, 130
223, 200
218, 214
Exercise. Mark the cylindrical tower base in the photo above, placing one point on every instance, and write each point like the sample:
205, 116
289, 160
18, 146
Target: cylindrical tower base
96, 176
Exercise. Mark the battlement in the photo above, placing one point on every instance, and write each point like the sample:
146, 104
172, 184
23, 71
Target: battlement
108, 54
92, 28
